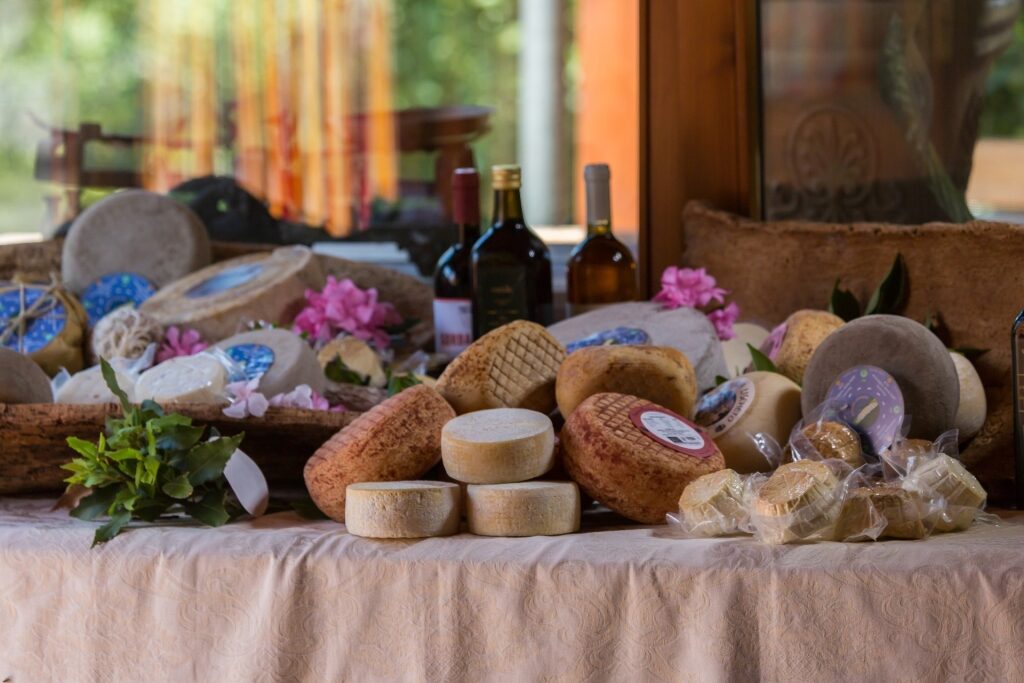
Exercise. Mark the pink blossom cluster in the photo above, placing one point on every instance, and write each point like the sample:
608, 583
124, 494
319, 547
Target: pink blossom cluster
344, 307
179, 342
246, 400
695, 288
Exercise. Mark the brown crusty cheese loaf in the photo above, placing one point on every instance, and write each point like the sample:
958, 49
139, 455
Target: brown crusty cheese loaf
396, 440
635, 456
513, 366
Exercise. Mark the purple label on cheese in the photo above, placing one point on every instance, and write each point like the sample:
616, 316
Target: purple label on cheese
869, 400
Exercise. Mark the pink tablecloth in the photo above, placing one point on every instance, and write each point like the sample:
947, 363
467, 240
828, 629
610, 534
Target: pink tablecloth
283, 599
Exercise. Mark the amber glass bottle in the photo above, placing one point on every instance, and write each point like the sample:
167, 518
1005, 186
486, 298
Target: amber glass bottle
453, 327
511, 265
601, 269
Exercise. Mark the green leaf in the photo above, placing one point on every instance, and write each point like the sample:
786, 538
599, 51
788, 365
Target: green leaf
210, 509
82, 446
891, 295
178, 437
399, 383
206, 461
150, 509
95, 504
337, 371
843, 303
719, 380
971, 353
126, 499
124, 454
761, 362
178, 488
111, 528
110, 377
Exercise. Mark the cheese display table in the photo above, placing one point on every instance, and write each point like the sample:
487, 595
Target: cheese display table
283, 598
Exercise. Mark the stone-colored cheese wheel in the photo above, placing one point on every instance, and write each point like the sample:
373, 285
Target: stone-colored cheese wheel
185, 379
402, 509
89, 387
292, 361
611, 448
946, 479
498, 446
220, 300
713, 504
533, 508
357, 355
397, 440
973, 408
513, 366
23, 381
660, 374
736, 350
755, 403
908, 351
134, 231
805, 331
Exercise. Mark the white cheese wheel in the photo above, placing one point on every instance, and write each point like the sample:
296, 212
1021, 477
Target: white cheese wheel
498, 446
221, 299
22, 380
970, 415
186, 379
532, 508
737, 353
89, 387
402, 509
281, 358
755, 403
713, 504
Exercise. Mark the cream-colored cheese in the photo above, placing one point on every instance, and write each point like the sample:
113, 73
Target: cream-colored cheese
533, 508
946, 479
186, 379
498, 446
970, 416
89, 387
402, 509
713, 504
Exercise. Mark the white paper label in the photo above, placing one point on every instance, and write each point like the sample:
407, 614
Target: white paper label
453, 325
671, 429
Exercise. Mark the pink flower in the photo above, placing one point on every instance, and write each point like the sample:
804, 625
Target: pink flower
770, 346
303, 396
688, 287
723, 318
344, 307
245, 400
183, 342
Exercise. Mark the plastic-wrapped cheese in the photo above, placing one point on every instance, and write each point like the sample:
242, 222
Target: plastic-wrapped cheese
755, 403
532, 508
498, 446
89, 387
185, 379
797, 502
402, 509
713, 504
281, 359
944, 479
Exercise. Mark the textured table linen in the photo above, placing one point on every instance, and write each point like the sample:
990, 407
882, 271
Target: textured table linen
285, 599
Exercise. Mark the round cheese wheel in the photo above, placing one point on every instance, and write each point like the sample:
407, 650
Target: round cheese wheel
186, 379
89, 387
46, 324
797, 502
713, 504
660, 374
135, 232
357, 356
23, 380
792, 344
402, 509
498, 446
973, 408
532, 508
907, 350
280, 358
737, 410
945, 481
221, 299
737, 351
395, 440
634, 456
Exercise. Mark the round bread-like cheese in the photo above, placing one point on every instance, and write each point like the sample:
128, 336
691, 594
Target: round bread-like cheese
900, 513
713, 504
89, 387
660, 374
907, 350
532, 508
282, 359
498, 446
737, 351
835, 440
395, 440
755, 403
946, 478
973, 408
220, 300
23, 380
634, 456
134, 231
512, 366
796, 502
803, 333
402, 509
186, 379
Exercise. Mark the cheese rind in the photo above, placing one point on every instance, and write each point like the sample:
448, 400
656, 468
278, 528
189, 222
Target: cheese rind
291, 361
533, 508
804, 333
185, 379
402, 509
498, 446
973, 408
23, 380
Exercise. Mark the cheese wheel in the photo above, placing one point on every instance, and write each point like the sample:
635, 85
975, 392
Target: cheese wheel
713, 504
634, 456
46, 324
134, 231
973, 408
943, 477
834, 440
797, 502
89, 387
899, 513
396, 440
792, 344
498, 446
532, 508
737, 351
737, 410
513, 366
280, 358
23, 381
221, 299
402, 509
660, 374
358, 356
185, 379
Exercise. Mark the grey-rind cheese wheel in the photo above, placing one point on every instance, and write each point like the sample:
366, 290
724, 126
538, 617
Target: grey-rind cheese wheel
218, 301
134, 231
908, 351
21, 380
294, 362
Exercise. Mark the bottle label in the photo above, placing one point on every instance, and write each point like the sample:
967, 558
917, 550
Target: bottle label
501, 296
672, 431
722, 407
453, 325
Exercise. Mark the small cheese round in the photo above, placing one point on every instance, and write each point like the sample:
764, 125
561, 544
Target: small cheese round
898, 512
402, 509
395, 440
713, 504
186, 379
89, 387
946, 478
498, 446
798, 501
23, 380
803, 333
835, 440
282, 360
755, 403
660, 374
357, 355
737, 349
533, 508
973, 408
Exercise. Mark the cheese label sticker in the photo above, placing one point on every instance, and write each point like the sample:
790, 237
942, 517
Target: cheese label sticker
255, 359
225, 280
617, 335
722, 407
869, 400
672, 431
113, 291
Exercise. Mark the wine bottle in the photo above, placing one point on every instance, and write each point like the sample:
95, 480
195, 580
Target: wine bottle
1017, 356
601, 269
511, 265
453, 287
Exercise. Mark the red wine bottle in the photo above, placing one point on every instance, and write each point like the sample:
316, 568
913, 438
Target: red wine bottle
453, 326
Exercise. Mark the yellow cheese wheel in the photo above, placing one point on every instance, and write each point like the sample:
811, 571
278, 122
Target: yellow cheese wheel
532, 508
402, 509
498, 446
